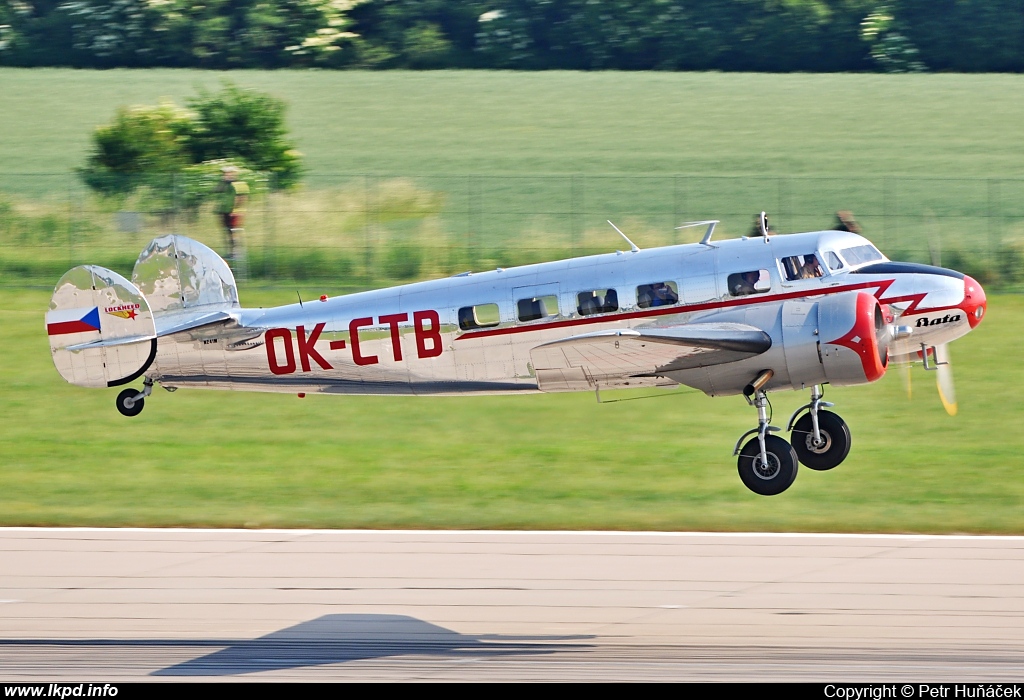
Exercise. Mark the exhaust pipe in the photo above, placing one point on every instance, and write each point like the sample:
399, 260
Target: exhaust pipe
758, 384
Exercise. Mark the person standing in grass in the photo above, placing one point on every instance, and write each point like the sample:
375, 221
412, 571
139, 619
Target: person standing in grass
231, 196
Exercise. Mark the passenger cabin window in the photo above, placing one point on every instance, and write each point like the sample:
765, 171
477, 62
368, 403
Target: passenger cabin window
598, 301
537, 308
861, 254
479, 316
833, 261
750, 282
801, 267
657, 294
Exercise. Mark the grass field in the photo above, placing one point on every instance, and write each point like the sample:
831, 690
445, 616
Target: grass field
452, 170
430, 123
414, 175
419, 174
547, 461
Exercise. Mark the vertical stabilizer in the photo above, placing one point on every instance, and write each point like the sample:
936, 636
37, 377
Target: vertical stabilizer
180, 276
100, 328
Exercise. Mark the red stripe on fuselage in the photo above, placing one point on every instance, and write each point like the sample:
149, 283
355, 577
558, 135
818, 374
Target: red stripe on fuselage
879, 286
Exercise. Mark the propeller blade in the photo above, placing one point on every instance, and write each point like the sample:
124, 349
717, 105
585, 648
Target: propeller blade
907, 375
944, 379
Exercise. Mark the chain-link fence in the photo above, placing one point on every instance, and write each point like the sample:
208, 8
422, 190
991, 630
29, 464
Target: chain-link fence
362, 230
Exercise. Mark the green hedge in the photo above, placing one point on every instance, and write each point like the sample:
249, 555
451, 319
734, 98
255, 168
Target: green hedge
734, 35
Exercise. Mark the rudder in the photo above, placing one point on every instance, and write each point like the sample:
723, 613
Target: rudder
100, 328
181, 276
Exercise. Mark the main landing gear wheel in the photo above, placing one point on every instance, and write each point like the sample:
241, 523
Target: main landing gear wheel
834, 445
771, 477
130, 402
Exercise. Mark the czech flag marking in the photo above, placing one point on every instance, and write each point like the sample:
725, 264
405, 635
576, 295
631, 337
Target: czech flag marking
61, 322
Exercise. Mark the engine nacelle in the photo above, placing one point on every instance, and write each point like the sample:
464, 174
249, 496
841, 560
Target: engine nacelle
838, 339
841, 339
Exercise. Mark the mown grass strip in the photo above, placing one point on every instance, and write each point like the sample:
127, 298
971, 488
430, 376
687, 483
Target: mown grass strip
548, 461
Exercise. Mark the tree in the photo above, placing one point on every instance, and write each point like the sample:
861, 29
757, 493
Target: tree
891, 51
244, 125
760, 35
965, 35
165, 148
255, 33
142, 146
117, 33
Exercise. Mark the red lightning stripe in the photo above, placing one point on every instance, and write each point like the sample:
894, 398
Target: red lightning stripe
861, 338
879, 286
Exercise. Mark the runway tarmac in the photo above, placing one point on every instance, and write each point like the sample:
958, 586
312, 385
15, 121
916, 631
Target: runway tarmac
136, 604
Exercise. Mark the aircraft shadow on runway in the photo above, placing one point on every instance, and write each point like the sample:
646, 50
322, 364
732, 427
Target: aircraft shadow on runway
333, 639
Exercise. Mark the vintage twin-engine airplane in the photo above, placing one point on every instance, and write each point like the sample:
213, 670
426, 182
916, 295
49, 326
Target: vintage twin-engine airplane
740, 316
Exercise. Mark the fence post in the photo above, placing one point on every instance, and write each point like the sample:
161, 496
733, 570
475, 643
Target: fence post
676, 220
366, 228
889, 202
582, 204
269, 252
71, 226
994, 221
572, 214
471, 222
174, 202
896, 206
780, 196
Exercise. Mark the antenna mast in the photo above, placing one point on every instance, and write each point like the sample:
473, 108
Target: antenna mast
632, 245
710, 223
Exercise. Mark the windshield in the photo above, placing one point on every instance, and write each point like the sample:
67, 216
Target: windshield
861, 254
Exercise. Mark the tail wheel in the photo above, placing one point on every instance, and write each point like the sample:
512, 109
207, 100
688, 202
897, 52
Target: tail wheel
130, 402
771, 477
835, 441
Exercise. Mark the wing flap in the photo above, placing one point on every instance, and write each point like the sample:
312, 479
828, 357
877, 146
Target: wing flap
609, 358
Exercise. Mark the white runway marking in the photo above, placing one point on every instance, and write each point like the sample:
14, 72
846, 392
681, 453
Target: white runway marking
183, 604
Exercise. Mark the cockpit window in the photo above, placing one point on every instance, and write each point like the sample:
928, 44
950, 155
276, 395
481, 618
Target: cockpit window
861, 254
801, 267
833, 261
750, 282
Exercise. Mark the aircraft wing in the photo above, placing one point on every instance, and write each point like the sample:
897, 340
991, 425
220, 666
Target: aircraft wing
611, 358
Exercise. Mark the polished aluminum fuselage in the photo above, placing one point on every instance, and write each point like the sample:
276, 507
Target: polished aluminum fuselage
407, 339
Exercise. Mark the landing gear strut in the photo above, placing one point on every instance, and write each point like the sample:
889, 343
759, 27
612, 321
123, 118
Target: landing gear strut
130, 402
767, 463
821, 438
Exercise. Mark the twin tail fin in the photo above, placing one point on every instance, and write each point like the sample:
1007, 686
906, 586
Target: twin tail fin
104, 329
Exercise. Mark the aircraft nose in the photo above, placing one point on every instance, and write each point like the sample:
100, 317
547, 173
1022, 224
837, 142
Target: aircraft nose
975, 303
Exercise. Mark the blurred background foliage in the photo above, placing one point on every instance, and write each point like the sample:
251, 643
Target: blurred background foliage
926, 163
176, 155
731, 35
370, 231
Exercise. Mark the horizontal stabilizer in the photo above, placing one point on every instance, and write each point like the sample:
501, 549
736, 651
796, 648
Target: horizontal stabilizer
168, 325
100, 328
112, 342
609, 358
